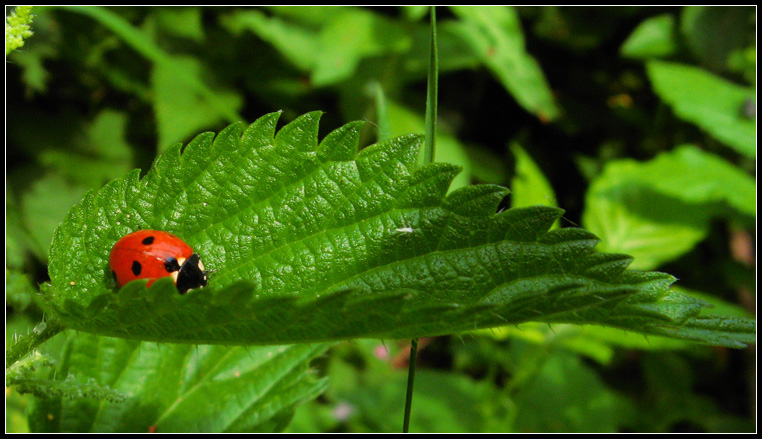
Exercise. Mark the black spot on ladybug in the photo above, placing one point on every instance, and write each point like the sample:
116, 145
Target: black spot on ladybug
148, 240
171, 265
113, 273
136, 268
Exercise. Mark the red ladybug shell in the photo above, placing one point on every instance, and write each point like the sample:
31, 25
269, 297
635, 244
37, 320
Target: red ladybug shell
153, 254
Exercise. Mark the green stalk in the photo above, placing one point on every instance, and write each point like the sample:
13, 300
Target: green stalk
431, 94
23, 345
410, 381
428, 157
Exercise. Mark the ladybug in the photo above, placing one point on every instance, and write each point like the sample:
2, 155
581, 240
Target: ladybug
152, 254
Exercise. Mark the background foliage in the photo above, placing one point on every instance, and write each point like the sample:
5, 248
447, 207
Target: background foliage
629, 118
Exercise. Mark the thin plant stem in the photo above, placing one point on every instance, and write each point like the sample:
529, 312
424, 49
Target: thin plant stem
428, 157
410, 382
432, 88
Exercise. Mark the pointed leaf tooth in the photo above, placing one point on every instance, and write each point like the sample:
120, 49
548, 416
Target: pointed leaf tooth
571, 246
196, 204
394, 157
607, 266
202, 146
570, 234
480, 200
384, 175
527, 223
341, 144
652, 285
301, 134
206, 152
428, 185
261, 132
673, 307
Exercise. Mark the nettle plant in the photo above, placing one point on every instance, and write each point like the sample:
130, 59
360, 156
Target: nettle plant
309, 242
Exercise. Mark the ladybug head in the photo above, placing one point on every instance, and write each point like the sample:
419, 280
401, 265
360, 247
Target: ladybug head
191, 274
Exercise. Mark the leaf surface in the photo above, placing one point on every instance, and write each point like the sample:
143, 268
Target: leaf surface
203, 388
314, 242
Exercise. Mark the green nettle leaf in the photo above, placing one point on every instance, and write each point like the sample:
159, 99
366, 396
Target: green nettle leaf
314, 241
203, 388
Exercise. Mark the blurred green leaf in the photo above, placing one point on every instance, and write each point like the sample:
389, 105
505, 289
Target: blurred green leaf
35, 75
100, 154
658, 210
311, 16
671, 399
698, 177
529, 185
444, 403
701, 25
330, 51
94, 154
297, 43
183, 22
44, 205
495, 34
18, 240
16, 408
173, 67
382, 115
19, 290
599, 343
351, 36
565, 395
367, 398
744, 61
180, 110
486, 165
415, 12
181, 388
714, 104
653, 38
